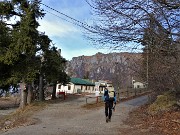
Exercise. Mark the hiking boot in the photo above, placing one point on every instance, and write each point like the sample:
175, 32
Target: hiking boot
107, 119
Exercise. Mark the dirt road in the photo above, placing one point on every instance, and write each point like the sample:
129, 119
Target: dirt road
69, 118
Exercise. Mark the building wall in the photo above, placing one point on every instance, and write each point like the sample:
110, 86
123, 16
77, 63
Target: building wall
67, 88
71, 88
139, 85
76, 87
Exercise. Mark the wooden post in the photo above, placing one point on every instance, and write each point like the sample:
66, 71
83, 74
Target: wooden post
97, 100
62, 93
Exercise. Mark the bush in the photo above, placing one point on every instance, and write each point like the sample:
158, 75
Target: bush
163, 102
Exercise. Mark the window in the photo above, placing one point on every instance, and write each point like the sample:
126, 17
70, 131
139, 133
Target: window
59, 86
69, 87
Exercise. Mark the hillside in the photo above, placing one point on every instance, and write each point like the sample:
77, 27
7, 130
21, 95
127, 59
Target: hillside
113, 66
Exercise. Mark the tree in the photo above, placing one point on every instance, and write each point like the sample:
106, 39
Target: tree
5, 70
21, 52
121, 21
53, 67
163, 62
125, 21
25, 48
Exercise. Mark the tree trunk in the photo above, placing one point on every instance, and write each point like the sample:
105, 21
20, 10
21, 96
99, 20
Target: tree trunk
29, 94
23, 95
118, 94
54, 91
41, 90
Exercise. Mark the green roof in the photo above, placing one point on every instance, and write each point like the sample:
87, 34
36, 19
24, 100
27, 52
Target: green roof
80, 81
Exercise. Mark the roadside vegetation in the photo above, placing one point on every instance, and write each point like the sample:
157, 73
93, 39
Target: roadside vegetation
22, 116
27, 56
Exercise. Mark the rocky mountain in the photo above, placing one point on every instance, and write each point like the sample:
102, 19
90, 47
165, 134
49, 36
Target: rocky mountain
116, 67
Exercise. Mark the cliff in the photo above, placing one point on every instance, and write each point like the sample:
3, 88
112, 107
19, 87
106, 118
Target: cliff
119, 67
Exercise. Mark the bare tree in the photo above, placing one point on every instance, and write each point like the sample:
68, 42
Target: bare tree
163, 58
154, 24
122, 21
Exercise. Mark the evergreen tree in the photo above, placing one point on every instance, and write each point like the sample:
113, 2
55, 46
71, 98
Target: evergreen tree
21, 51
54, 68
23, 48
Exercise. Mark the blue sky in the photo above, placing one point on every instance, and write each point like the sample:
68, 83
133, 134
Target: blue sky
67, 36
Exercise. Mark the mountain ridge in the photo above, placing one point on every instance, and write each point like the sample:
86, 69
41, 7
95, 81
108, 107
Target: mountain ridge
105, 66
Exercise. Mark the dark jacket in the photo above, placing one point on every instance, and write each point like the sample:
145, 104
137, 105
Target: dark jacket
106, 96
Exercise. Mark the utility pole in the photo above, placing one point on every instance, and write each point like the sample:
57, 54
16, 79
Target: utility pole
117, 74
147, 68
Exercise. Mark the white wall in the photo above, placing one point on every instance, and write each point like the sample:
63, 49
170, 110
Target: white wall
64, 88
138, 85
74, 88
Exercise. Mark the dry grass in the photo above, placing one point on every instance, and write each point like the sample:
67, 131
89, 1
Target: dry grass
166, 123
9, 102
163, 102
21, 116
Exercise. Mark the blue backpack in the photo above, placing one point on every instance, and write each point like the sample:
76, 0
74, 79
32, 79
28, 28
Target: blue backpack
109, 95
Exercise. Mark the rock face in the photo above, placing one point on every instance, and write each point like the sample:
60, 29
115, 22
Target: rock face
121, 67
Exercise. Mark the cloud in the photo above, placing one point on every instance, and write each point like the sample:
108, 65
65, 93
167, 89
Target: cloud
67, 36
56, 28
75, 53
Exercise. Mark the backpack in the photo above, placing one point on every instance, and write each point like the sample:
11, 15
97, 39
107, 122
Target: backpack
111, 92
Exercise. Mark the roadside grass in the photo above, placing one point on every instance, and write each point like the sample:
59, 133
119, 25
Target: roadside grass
8, 102
164, 102
161, 116
21, 116
166, 122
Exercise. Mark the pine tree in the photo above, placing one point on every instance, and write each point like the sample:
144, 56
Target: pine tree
21, 51
53, 61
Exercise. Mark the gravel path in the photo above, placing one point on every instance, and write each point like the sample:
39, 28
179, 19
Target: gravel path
68, 118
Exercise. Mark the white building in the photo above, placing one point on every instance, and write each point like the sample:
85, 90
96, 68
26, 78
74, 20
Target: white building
100, 86
138, 85
76, 85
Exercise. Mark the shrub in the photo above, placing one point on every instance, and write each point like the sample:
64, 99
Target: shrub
163, 102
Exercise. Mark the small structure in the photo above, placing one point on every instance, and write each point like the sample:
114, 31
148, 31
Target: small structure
100, 85
76, 85
138, 85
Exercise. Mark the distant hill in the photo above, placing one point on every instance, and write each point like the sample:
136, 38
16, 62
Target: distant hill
116, 67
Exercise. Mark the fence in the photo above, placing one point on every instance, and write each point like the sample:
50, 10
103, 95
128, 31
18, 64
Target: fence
130, 92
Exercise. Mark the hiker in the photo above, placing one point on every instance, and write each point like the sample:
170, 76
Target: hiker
109, 99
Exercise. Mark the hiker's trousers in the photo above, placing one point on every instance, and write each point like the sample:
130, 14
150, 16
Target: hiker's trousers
108, 109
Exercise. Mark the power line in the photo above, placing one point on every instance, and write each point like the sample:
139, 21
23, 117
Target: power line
77, 22
62, 18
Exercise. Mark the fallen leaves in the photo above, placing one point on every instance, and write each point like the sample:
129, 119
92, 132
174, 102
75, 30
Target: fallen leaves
167, 122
